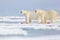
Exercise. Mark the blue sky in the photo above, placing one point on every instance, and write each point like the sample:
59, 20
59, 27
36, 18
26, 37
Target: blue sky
13, 7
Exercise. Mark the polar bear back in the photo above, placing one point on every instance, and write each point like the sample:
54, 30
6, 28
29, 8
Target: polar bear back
33, 15
52, 13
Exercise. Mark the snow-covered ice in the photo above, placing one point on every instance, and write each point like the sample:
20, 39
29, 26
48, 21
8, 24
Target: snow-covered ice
51, 37
31, 31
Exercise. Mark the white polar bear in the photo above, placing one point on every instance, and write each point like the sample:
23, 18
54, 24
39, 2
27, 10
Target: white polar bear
52, 15
45, 15
29, 15
42, 16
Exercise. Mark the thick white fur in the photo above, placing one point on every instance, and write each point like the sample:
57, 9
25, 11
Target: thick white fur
52, 15
29, 16
42, 16
45, 15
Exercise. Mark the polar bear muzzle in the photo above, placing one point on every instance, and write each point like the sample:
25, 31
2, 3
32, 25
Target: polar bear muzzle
20, 11
35, 11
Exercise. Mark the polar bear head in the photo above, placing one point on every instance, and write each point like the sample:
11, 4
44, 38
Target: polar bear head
24, 12
40, 12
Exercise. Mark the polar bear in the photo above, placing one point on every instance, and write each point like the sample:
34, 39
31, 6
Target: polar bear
47, 15
52, 15
30, 15
42, 15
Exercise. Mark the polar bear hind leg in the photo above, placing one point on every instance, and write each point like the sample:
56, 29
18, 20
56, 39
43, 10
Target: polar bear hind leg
54, 16
53, 20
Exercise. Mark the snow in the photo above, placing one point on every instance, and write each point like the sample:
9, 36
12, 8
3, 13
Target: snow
15, 29
6, 31
54, 37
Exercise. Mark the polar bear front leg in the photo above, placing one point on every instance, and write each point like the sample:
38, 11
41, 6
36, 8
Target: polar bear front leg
27, 19
43, 20
30, 20
39, 19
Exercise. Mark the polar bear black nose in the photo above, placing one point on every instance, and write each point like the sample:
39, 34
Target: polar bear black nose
20, 11
35, 11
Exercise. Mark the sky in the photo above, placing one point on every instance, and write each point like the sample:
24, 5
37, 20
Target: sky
13, 7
